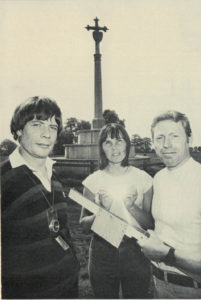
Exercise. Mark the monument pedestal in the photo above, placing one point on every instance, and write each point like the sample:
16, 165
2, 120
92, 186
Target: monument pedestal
87, 146
87, 152
86, 137
81, 151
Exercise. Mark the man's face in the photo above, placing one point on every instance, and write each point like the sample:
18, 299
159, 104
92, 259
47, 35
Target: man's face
170, 142
38, 137
115, 149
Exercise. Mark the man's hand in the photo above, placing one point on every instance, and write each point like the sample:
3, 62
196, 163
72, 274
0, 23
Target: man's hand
102, 198
153, 248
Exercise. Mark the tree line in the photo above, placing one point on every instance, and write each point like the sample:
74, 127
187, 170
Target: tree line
69, 135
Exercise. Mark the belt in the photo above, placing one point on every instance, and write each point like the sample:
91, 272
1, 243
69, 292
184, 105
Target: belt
175, 278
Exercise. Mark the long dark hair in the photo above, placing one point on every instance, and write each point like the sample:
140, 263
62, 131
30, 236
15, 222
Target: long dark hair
114, 130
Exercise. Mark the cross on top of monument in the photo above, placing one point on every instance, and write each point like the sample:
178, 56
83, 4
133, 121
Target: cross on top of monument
96, 27
98, 120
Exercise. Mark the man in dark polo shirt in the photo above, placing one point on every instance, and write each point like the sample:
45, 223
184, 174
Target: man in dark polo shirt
38, 259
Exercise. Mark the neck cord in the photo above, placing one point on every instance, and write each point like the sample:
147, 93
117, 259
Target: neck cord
48, 202
52, 217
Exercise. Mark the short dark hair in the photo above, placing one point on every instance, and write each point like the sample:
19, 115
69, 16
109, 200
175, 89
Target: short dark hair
175, 116
35, 107
114, 130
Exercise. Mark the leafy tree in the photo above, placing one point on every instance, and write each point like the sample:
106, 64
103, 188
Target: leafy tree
65, 137
69, 134
7, 147
110, 116
191, 149
137, 141
73, 125
142, 145
195, 149
147, 144
84, 125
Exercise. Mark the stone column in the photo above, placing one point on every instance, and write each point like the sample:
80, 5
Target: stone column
98, 120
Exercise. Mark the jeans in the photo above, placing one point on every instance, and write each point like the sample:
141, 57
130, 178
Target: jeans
166, 290
110, 267
18, 289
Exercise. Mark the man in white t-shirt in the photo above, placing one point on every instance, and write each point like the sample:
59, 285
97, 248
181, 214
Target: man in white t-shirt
174, 247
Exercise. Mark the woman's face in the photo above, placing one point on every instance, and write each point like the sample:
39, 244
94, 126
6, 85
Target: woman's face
115, 149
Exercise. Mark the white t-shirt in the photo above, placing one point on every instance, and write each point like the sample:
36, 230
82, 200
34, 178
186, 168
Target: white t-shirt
176, 207
118, 187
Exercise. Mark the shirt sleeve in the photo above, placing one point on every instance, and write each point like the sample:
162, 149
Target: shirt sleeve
91, 182
147, 181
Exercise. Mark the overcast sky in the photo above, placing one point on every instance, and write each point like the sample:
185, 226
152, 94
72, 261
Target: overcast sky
151, 58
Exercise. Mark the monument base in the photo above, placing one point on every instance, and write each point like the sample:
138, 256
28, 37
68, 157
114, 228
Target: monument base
90, 151
77, 151
86, 137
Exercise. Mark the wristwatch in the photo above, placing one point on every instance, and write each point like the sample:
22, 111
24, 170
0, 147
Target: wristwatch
170, 257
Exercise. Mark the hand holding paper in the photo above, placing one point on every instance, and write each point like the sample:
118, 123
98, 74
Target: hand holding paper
152, 247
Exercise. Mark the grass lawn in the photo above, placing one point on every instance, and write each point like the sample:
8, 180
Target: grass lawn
81, 242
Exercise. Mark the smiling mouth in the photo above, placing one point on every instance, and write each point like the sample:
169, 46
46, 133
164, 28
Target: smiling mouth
44, 145
169, 154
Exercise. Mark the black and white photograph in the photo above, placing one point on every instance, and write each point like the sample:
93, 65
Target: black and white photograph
100, 149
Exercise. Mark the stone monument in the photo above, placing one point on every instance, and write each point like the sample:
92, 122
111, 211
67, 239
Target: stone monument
87, 147
91, 136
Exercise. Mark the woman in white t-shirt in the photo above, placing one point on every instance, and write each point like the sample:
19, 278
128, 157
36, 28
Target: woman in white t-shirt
125, 191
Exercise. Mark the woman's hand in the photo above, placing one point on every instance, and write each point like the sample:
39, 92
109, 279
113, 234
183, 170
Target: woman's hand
103, 199
129, 201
